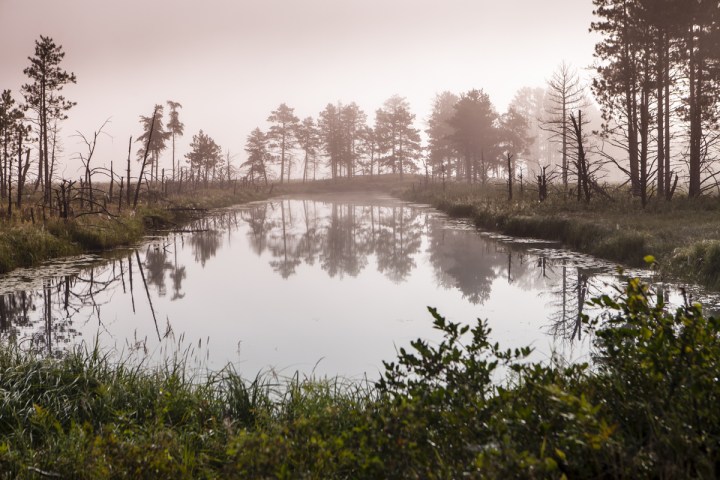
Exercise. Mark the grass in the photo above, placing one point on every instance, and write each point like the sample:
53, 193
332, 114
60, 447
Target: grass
25, 242
681, 234
84, 416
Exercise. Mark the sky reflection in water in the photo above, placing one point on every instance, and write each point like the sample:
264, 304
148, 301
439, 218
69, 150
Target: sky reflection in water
330, 287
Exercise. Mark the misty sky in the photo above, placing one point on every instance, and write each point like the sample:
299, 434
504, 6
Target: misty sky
230, 62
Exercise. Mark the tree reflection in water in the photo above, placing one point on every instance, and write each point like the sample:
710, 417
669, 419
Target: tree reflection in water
42, 313
178, 271
570, 295
206, 239
340, 238
156, 263
460, 262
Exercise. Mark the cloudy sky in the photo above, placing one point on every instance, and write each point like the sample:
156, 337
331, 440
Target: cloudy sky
231, 62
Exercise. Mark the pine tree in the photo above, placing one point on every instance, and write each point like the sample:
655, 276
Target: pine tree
43, 97
204, 155
282, 136
397, 139
257, 150
175, 127
474, 134
157, 141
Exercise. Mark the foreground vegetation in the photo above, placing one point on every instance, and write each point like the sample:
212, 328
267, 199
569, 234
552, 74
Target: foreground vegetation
646, 407
682, 234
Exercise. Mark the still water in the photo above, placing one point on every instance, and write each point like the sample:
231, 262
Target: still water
327, 285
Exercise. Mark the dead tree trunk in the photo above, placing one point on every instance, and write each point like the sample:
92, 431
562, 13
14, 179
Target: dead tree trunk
145, 156
509, 156
127, 190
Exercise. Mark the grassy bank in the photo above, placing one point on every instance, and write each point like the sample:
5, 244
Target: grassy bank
684, 235
28, 240
645, 409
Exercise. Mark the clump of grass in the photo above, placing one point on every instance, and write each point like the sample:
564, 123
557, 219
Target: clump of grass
627, 247
23, 245
98, 232
703, 258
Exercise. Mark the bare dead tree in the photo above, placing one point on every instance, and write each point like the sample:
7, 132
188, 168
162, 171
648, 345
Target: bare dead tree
90, 144
145, 156
22, 174
127, 190
508, 157
565, 93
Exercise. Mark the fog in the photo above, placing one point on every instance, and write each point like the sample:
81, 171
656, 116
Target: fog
230, 63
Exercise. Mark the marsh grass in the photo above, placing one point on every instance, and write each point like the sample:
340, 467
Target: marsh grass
90, 414
386, 183
25, 243
680, 233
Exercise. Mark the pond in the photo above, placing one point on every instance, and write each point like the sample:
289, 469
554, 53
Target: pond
330, 285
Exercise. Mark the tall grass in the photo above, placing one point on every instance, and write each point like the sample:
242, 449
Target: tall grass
86, 415
25, 245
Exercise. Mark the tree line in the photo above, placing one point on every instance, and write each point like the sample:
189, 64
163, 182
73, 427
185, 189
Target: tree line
656, 83
31, 123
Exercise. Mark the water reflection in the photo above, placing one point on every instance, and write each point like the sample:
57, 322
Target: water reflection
296, 280
347, 237
44, 314
340, 236
570, 297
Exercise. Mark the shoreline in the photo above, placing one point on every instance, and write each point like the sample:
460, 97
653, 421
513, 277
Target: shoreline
24, 244
684, 238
